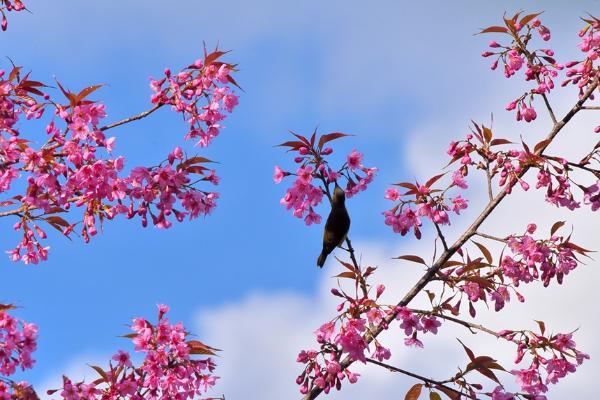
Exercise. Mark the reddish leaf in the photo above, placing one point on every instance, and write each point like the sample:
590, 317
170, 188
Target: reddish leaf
486, 253
472, 311
468, 351
434, 179
56, 220
347, 274
413, 258
197, 347
542, 326
448, 392
487, 134
414, 392
498, 29
557, 225
329, 137
538, 148
294, 144
14, 73
212, 57
528, 18
87, 91
406, 185
101, 372
6, 307
500, 141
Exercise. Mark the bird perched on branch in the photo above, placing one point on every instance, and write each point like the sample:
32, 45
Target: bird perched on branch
337, 225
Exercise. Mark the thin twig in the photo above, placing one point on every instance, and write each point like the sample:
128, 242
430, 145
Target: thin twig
466, 324
131, 119
413, 375
591, 108
441, 236
485, 235
550, 111
489, 179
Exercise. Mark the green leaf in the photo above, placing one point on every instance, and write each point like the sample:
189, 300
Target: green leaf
434, 396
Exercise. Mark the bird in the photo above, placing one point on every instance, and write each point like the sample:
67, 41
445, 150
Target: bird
337, 225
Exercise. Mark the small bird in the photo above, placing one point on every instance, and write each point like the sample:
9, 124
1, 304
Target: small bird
337, 225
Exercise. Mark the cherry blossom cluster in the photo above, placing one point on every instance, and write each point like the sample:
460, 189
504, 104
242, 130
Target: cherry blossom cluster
169, 370
554, 173
553, 357
315, 175
18, 340
185, 92
8, 6
423, 200
74, 167
539, 259
540, 65
344, 336
583, 72
478, 278
466, 270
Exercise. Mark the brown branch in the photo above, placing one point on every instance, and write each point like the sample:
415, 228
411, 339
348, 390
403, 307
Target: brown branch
550, 111
485, 235
131, 119
466, 324
591, 108
447, 254
441, 236
489, 179
429, 381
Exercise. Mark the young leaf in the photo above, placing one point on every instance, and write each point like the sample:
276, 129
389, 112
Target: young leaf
329, 137
486, 253
557, 225
497, 29
468, 351
414, 392
413, 258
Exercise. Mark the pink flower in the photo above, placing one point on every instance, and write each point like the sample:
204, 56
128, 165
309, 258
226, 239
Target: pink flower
528, 113
413, 342
122, 358
278, 174
354, 159
430, 324
458, 179
458, 203
515, 61
392, 194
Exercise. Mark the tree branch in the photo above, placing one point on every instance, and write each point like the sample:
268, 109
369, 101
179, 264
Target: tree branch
447, 254
131, 119
466, 324
413, 375
485, 235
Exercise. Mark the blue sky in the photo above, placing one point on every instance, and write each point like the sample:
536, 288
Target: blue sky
404, 78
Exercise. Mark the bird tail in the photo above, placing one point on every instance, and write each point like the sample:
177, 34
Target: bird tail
321, 259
